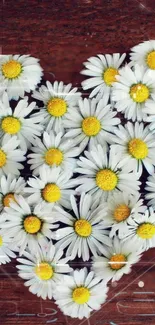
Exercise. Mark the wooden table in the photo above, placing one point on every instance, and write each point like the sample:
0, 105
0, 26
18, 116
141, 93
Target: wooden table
63, 34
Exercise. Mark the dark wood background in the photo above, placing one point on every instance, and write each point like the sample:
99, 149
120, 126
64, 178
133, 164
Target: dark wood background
63, 34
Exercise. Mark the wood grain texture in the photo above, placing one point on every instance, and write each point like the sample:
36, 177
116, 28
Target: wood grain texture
63, 34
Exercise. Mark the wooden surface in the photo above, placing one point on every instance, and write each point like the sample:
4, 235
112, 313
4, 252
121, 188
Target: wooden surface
63, 34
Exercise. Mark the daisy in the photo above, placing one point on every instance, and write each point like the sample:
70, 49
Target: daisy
52, 187
92, 123
136, 145
120, 208
102, 176
57, 99
141, 230
7, 248
18, 122
10, 156
84, 231
80, 293
117, 261
144, 54
54, 149
42, 270
20, 73
9, 187
103, 70
29, 225
134, 93
3, 87
150, 188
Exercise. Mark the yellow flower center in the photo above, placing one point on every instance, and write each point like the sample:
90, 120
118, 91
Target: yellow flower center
2, 158
11, 125
146, 231
121, 213
1, 241
150, 59
117, 261
83, 228
44, 271
109, 76
81, 295
51, 193
139, 93
7, 199
53, 156
32, 224
91, 126
57, 107
11, 69
106, 179
138, 148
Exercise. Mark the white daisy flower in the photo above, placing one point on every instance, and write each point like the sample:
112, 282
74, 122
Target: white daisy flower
29, 225
121, 207
144, 54
9, 187
3, 86
134, 93
141, 230
42, 270
136, 145
54, 149
80, 293
52, 187
150, 188
92, 123
10, 156
84, 231
102, 176
57, 99
17, 121
20, 73
102, 70
7, 248
151, 121
117, 261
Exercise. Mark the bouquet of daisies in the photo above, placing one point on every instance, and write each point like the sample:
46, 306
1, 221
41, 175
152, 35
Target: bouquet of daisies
73, 169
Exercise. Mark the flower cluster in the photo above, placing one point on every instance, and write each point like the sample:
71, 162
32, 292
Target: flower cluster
72, 176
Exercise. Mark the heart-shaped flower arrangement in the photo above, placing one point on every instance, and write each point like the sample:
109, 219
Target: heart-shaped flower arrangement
82, 201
